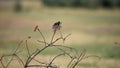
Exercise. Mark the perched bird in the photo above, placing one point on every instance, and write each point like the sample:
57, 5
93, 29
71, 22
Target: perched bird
56, 26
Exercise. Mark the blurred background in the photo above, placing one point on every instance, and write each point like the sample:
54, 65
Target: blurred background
93, 24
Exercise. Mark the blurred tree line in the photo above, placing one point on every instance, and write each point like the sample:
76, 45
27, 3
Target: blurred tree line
18, 4
83, 3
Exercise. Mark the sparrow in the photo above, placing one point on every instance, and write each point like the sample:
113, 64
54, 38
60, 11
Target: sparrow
56, 26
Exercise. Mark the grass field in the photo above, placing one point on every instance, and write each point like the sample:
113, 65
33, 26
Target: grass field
95, 30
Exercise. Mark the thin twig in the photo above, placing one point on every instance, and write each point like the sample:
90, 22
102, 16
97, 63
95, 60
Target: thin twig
32, 54
42, 35
61, 38
52, 38
1, 60
64, 51
39, 61
80, 57
67, 47
19, 59
70, 62
66, 36
5, 66
27, 48
56, 40
42, 42
92, 56
39, 66
55, 58
35, 29
9, 61
18, 46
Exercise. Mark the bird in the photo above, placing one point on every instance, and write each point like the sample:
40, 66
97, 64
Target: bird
56, 26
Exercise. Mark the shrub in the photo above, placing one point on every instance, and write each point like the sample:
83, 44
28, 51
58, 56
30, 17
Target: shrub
74, 56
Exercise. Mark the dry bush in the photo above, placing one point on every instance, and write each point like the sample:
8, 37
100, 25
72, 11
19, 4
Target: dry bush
74, 59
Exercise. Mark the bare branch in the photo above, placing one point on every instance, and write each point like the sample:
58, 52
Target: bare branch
42, 35
40, 66
72, 49
6, 66
9, 61
42, 42
55, 58
66, 37
63, 38
35, 29
79, 58
92, 56
70, 62
1, 60
27, 47
39, 61
64, 51
19, 59
18, 46
51, 42
56, 40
